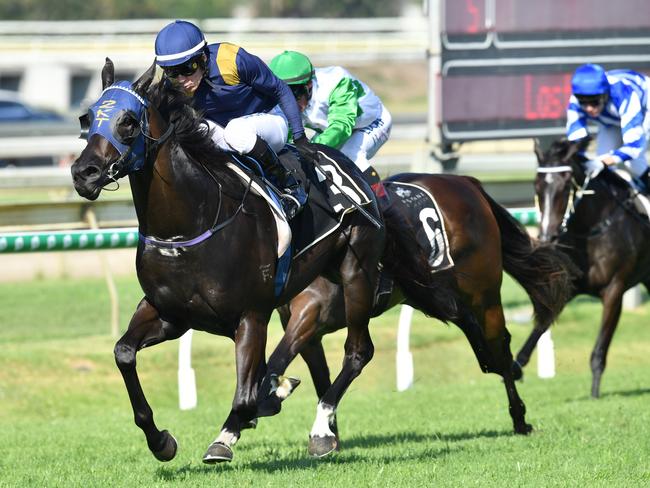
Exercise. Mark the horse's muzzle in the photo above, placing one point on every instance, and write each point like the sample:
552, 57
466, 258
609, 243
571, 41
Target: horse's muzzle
86, 179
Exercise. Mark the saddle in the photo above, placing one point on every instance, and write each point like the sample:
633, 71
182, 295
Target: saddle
329, 199
423, 227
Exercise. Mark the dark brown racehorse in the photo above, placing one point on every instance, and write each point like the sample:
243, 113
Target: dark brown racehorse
207, 255
484, 240
595, 223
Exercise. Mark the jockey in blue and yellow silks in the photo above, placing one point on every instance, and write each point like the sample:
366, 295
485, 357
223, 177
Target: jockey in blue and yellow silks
248, 109
618, 101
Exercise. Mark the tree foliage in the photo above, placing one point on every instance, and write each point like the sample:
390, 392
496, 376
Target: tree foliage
113, 9
197, 9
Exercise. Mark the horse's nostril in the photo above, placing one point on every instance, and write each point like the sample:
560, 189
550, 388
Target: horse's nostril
90, 172
86, 173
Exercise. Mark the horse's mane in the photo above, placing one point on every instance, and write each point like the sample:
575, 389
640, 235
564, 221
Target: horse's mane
193, 135
190, 129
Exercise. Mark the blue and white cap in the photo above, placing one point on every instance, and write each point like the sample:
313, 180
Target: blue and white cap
178, 42
590, 79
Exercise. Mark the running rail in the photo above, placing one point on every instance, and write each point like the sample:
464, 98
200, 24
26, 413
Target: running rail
118, 238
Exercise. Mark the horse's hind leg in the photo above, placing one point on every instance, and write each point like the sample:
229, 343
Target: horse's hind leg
612, 299
490, 341
299, 323
145, 329
523, 356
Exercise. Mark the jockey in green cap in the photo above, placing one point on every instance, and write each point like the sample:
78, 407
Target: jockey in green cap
344, 111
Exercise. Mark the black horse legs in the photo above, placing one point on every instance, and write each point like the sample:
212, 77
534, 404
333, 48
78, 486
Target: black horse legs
250, 343
612, 299
491, 345
145, 329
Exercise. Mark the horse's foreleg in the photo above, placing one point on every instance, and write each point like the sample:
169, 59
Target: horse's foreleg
145, 329
250, 343
612, 299
359, 350
299, 320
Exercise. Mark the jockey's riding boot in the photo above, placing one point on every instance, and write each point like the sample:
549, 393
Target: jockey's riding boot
293, 196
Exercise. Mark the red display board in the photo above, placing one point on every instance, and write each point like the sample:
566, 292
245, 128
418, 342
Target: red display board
506, 65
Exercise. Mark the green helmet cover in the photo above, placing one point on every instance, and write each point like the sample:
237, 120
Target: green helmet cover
292, 67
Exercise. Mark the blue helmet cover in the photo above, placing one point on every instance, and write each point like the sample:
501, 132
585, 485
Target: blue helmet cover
178, 42
589, 79
105, 112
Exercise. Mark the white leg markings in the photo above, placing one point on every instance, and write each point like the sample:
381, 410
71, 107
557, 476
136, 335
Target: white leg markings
226, 437
321, 427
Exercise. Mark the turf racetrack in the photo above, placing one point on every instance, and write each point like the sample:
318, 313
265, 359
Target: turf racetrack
66, 420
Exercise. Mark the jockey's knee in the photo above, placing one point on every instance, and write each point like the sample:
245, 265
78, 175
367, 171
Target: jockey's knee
240, 136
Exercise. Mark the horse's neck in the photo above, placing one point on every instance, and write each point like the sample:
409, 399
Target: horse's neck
173, 198
593, 209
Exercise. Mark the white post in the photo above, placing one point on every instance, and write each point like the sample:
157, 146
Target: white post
186, 378
404, 357
545, 356
632, 298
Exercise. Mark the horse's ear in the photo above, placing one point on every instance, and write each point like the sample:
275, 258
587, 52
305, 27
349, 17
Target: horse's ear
108, 74
142, 84
577, 147
538, 150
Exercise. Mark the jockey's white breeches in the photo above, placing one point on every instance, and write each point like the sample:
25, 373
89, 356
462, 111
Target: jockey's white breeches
241, 133
366, 141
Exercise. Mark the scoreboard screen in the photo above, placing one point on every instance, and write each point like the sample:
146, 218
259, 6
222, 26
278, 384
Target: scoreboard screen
506, 65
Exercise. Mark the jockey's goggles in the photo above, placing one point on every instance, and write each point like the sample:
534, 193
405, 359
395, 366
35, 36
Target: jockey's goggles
590, 100
300, 90
185, 69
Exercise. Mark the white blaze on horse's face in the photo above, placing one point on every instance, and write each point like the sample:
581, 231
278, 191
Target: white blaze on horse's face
324, 416
550, 189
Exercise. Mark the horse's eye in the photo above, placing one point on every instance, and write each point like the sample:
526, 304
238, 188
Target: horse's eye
126, 128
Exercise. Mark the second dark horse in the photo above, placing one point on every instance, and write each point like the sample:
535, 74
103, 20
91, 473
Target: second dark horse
594, 221
484, 240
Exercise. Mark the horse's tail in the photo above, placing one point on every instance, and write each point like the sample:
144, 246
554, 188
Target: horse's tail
408, 264
545, 273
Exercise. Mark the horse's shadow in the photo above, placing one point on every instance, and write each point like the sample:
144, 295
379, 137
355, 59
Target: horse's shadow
365, 442
621, 393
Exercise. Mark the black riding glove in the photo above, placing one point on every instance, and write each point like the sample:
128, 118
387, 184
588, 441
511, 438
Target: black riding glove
306, 149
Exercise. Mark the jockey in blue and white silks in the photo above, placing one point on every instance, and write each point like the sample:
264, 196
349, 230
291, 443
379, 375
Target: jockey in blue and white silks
618, 102
247, 108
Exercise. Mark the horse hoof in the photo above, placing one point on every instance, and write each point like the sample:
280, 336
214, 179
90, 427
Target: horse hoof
168, 450
524, 430
322, 446
217, 453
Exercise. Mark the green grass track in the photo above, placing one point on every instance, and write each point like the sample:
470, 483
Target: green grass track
65, 419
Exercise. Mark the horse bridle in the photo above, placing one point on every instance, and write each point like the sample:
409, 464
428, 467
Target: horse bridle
575, 190
576, 193
128, 159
